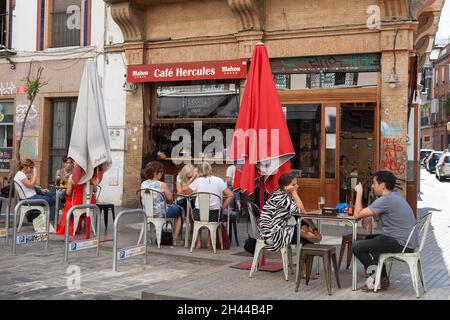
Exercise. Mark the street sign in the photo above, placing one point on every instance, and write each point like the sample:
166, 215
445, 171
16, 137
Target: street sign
36, 237
130, 252
82, 245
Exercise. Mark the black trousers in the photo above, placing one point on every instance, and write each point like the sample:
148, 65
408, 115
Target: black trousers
368, 251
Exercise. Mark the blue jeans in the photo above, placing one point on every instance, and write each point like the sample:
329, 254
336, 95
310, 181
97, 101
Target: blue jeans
173, 211
51, 199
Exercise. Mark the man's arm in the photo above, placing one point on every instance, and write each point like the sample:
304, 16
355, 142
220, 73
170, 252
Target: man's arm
359, 211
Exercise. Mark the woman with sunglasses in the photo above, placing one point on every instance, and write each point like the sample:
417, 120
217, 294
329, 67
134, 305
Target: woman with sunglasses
26, 177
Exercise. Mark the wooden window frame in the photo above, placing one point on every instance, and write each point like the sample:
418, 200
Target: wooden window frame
45, 24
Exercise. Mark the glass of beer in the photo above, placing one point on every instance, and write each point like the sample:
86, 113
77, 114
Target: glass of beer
321, 203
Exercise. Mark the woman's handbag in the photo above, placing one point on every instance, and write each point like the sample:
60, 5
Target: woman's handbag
250, 245
225, 238
166, 236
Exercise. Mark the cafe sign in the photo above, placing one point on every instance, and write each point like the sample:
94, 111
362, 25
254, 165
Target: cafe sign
206, 70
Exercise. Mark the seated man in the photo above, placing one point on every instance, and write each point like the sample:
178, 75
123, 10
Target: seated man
397, 220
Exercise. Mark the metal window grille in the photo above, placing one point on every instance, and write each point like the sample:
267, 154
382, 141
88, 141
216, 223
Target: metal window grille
282, 81
3, 28
62, 36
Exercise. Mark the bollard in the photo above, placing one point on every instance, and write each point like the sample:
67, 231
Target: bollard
82, 245
129, 252
23, 239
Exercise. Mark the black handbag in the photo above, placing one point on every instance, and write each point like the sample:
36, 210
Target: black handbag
250, 245
166, 236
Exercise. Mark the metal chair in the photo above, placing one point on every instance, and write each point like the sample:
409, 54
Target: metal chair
20, 194
146, 198
204, 199
286, 252
77, 213
412, 259
105, 207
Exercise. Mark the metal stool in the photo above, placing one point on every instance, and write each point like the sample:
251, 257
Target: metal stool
328, 253
347, 241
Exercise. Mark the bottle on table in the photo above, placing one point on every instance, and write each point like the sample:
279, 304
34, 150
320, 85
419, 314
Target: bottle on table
350, 208
58, 181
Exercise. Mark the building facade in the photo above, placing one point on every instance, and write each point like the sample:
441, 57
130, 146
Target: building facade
58, 36
345, 70
441, 97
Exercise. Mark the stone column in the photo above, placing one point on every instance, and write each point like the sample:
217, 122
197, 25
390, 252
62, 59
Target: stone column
394, 105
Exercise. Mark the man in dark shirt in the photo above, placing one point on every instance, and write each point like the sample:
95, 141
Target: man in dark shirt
397, 220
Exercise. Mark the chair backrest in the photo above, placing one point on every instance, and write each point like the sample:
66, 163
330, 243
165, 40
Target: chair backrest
204, 200
423, 224
147, 198
99, 192
254, 214
20, 192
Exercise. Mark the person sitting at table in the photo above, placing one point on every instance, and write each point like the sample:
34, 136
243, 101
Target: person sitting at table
236, 204
75, 196
62, 175
186, 176
277, 221
397, 220
154, 172
29, 187
206, 182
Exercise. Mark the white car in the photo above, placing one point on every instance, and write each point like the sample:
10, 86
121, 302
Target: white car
443, 167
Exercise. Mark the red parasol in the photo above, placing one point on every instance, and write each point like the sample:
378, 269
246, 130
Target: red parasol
261, 142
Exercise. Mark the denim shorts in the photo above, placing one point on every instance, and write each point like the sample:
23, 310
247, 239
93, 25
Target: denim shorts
173, 211
213, 215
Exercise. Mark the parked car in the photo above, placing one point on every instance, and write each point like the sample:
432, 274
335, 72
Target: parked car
424, 153
432, 160
443, 167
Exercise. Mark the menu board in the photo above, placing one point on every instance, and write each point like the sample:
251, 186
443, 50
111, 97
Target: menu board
5, 158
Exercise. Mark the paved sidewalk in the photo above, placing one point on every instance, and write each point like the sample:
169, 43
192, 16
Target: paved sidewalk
175, 273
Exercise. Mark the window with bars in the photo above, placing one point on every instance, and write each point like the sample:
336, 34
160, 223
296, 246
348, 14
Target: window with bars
282, 81
331, 80
66, 23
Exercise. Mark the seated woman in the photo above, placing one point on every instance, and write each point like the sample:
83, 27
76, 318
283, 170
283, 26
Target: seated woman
206, 182
62, 175
277, 221
186, 175
29, 187
154, 172
74, 196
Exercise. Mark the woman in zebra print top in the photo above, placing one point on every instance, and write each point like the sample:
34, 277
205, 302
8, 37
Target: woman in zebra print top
277, 222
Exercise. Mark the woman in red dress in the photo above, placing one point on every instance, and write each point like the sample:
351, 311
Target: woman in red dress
74, 196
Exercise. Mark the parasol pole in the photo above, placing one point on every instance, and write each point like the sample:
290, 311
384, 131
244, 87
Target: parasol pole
88, 211
261, 205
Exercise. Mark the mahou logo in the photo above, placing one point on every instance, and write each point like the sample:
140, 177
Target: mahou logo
140, 74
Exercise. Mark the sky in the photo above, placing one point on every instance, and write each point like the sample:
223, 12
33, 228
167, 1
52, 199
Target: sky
444, 23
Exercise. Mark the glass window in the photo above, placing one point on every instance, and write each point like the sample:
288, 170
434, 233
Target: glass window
6, 134
304, 123
66, 23
330, 144
203, 100
331, 80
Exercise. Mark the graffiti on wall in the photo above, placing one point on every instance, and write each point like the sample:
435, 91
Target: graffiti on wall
391, 129
9, 88
32, 126
393, 157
